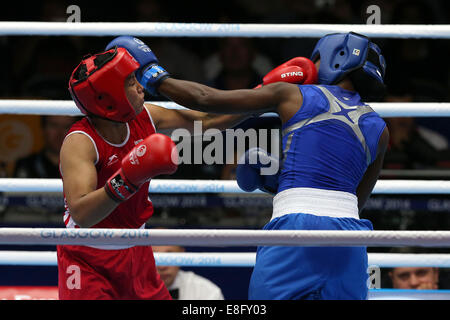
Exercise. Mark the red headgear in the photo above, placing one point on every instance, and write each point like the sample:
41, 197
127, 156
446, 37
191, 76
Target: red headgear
97, 85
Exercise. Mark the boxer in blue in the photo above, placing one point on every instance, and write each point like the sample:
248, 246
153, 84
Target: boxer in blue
333, 150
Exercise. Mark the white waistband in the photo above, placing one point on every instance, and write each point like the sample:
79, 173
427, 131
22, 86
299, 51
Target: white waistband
319, 202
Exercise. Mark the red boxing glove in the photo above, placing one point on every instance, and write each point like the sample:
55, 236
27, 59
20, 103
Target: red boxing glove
154, 156
298, 70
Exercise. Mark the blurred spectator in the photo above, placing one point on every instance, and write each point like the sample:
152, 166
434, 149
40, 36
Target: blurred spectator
415, 278
50, 67
229, 171
169, 51
186, 285
237, 65
416, 60
54, 10
336, 11
45, 164
305, 12
150, 11
413, 146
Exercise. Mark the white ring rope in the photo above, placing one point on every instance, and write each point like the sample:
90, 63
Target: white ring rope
221, 237
229, 259
224, 186
169, 29
68, 107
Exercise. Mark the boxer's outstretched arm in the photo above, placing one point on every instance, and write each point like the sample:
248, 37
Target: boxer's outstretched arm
155, 79
164, 118
203, 98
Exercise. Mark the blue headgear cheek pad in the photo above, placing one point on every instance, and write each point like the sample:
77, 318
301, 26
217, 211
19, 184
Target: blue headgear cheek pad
371, 70
368, 80
375, 66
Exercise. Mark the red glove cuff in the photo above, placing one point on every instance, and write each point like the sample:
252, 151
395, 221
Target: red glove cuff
119, 188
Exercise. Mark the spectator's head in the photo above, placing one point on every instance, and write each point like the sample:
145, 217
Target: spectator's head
414, 278
54, 130
54, 10
150, 11
236, 55
400, 126
413, 12
47, 73
168, 273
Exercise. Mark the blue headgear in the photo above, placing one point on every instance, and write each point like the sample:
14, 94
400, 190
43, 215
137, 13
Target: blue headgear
342, 53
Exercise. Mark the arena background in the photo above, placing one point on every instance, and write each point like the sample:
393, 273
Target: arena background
418, 70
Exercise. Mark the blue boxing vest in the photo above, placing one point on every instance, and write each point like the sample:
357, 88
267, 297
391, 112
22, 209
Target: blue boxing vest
327, 146
330, 141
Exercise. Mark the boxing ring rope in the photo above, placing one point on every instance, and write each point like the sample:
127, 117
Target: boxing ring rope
222, 237
169, 29
68, 108
224, 186
228, 259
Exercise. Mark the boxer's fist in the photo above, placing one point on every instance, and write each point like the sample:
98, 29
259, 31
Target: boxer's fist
136, 47
249, 173
151, 78
154, 156
150, 74
299, 70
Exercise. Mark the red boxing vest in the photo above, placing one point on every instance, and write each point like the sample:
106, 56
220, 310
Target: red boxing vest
130, 214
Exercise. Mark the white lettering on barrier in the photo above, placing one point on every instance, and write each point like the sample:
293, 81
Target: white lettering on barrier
164, 260
133, 234
438, 205
75, 233
196, 27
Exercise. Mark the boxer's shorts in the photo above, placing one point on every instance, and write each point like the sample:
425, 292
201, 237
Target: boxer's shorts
295, 272
86, 273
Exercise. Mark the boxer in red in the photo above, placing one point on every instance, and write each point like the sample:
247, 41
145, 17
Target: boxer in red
106, 162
